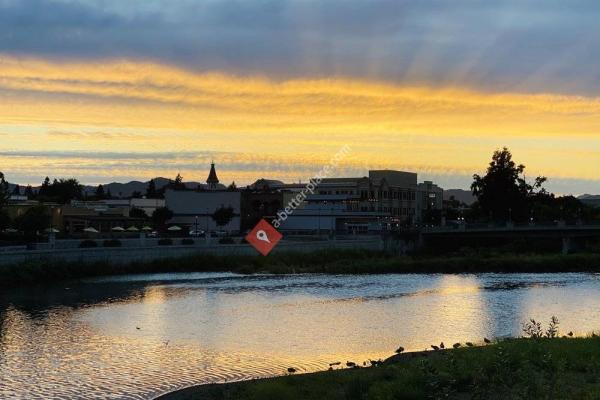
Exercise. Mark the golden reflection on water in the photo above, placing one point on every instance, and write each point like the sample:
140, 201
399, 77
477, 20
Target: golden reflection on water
132, 339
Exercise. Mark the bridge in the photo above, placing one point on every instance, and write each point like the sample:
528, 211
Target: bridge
571, 235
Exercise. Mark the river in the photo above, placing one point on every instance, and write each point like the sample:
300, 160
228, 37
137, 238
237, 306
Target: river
136, 337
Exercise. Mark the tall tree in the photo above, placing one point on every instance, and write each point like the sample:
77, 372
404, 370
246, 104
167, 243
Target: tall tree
178, 183
16, 190
4, 192
151, 192
29, 192
503, 191
100, 195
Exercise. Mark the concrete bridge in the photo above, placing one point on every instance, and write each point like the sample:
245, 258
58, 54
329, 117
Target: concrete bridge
572, 236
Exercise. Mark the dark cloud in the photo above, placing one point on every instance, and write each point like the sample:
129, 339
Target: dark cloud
511, 45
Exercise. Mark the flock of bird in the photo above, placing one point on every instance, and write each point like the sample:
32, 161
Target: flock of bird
399, 350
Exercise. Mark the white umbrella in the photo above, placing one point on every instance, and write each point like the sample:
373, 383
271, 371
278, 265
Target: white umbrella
90, 230
132, 229
146, 228
118, 229
174, 228
11, 230
52, 230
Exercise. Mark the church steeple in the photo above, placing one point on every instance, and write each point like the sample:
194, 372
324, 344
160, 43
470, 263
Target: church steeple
212, 179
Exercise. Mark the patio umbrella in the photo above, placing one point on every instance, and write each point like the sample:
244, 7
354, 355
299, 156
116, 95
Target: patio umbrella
52, 230
11, 230
174, 228
146, 228
90, 230
132, 229
118, 229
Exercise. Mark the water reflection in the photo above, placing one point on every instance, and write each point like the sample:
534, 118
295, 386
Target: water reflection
136, 337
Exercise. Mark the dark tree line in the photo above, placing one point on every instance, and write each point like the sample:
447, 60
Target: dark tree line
504, 194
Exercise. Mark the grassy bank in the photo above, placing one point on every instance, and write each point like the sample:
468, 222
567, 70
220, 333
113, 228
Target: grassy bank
331, 261
511, 369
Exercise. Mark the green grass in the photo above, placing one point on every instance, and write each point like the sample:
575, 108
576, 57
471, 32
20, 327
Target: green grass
510, 369
326, 261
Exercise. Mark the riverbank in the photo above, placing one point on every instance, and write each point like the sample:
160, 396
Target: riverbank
323, 261
565, 368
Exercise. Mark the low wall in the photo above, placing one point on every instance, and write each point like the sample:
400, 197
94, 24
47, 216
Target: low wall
125, 255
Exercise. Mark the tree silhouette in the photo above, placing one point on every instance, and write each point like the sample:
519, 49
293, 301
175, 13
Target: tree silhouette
136, 212
100, 192
4, 192
223, 216
503, 191
160, 216
151, 192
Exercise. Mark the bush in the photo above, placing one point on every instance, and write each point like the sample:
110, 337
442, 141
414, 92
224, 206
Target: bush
112, 243
165, 242
226, 240
88, 243
187, 241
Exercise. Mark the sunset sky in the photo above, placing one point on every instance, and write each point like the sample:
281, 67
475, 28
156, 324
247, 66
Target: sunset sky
113, 90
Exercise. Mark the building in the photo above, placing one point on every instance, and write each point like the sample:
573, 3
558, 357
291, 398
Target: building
259, 201
430, 198
147, 205
194, 210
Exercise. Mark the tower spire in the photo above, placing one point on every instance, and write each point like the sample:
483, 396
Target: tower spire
212, 179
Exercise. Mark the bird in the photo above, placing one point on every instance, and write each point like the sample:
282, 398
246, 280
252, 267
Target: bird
137, 327
334, 363
399, 350
456, 345
442, 345
487, 340
291, 370
433, 346
167, 342
570, 334
350, 364
469, 344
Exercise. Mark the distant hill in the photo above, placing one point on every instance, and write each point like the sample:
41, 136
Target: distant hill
126, 189
464, 196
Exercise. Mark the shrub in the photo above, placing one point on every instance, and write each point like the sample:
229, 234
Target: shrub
187, 241
88, 243
112, 243
165, 242
226, 240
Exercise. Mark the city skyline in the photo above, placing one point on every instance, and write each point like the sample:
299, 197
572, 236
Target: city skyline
106, 91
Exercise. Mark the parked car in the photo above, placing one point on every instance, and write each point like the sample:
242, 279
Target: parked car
198, 233
153, 234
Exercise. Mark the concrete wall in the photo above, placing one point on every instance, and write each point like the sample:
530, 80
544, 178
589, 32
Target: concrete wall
124, 255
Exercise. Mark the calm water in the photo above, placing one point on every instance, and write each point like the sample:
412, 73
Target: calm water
140, 336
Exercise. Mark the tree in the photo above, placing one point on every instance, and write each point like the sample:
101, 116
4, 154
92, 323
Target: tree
160, 216
61, 190
232, 187
34, 220
99, 194
136, 212
223, 216
29, 192
4, 220
16, 190
151, 192
4, 192
136, 194
503, 191
178, 183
